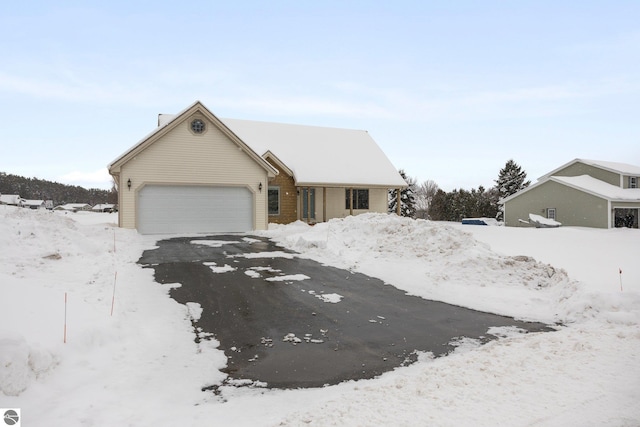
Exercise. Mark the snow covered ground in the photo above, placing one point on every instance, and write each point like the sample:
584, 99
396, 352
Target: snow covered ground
140, 366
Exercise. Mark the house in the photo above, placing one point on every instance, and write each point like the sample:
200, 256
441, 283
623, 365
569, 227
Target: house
103, 207
585, 193
11, 199
34, 204
73, 207
197, 173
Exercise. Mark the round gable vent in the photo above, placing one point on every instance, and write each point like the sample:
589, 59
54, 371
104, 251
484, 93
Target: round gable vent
197, 126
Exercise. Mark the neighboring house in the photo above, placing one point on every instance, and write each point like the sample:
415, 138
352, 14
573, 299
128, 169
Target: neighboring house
34, 204
198, 173
11, 199
73, 207
104, 207
585, 193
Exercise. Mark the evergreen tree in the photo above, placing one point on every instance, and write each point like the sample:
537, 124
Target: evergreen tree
34, 188
407, 198
439, 208
511, 179
459, 204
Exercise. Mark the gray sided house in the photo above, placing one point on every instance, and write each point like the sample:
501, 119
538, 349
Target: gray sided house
197, 173
583, 193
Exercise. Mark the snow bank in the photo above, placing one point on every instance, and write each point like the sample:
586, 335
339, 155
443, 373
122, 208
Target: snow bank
146, 345
21, 363
441, 262
142, 366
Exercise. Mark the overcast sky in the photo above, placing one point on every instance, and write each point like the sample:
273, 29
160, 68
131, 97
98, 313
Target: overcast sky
450, 90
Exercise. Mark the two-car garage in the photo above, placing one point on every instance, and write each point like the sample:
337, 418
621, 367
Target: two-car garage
165, 209
191, 175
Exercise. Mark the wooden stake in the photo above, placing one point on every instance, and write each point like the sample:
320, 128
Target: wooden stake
65, 318
620, 279
113, 297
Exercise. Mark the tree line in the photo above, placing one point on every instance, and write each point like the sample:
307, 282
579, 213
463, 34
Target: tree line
428, 201
60, 194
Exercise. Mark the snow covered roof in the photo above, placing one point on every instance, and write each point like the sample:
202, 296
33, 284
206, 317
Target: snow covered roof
314, 154
594, 186
621, 168
163, 119
10, 199
73, 206
321, 155
168, 121
588, 184
102, 206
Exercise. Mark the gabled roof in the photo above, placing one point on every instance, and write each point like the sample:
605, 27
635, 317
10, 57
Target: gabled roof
599, 188
10, 199
102, 206
321, 155
620, 168
72, 206
278, 162
166, 124
587, 184
316, 155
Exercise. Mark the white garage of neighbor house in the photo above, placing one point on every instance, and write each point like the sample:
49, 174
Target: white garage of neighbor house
196, 173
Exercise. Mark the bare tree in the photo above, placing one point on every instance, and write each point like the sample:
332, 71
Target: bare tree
424, 196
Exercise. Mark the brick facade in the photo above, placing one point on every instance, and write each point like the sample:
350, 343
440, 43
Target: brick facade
288, 197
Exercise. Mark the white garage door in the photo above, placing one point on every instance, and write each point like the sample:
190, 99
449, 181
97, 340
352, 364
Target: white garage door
194, 209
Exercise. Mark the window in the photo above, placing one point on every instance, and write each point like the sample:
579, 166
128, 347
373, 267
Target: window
551, 213
309, 203
633, 182
360, 199
197, 126
274, 200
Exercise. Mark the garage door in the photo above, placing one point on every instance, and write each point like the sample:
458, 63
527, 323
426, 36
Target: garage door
194, 209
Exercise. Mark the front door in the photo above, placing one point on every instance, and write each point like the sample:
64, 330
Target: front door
308, 201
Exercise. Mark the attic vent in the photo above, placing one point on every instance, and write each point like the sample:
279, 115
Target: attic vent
197, 126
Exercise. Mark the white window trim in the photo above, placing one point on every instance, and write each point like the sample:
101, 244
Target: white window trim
549, 216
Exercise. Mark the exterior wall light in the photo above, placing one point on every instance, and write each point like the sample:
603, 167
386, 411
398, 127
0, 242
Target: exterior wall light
129, 184
260, 187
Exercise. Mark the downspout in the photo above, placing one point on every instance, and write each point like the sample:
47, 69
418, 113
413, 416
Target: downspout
119, 188
324, 204
351, 201
308, 205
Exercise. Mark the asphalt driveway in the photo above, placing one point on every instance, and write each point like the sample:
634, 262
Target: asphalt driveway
292, 322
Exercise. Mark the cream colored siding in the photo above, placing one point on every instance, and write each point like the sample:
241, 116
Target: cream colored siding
573, 207
336, 202
578, 169
182, 158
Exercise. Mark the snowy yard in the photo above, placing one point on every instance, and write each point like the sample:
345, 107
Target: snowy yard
140, 365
